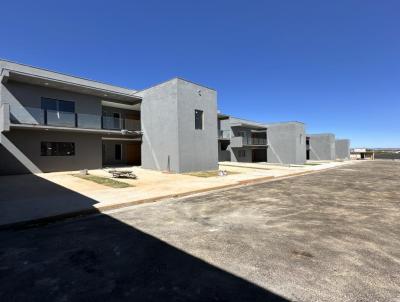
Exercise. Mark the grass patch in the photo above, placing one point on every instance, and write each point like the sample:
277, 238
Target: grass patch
104, 181
212, 173
312, 164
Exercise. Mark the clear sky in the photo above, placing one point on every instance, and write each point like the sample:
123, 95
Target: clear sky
334, 65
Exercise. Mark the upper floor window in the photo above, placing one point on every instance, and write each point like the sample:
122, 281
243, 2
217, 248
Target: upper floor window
58, 105
198, 119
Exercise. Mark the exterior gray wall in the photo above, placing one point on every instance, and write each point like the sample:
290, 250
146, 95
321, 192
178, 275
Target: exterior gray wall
197, 148
322, 146
88, 152
159, 115
342, 147
286, 143
235, 155
170, 140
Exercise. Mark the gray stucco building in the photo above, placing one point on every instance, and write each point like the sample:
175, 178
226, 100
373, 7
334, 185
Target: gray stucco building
50, 122
321, 146
241, 140
286, 143
342, 149
247, 141
55, 122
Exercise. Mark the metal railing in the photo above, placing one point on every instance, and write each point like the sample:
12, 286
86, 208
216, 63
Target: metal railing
38, 116
254, 141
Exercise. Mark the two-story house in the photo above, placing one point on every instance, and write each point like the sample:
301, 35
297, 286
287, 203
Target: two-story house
50, 121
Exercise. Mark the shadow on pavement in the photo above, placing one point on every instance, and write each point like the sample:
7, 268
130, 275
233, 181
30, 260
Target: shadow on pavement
102, 259
30, 197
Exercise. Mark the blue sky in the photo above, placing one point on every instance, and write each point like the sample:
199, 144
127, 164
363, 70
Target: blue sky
334, 65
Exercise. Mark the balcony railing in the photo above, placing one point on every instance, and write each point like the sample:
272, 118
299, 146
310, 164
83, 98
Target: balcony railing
38, 116
254, 141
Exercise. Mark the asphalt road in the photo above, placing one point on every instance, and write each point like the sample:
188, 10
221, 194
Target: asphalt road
329, 236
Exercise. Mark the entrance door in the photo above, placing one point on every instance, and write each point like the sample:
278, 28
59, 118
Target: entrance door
259, 155
133, 154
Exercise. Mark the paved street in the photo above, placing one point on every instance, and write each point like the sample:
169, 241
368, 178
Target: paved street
328, 236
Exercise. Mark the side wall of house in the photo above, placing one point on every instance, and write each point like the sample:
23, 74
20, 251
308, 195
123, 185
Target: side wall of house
198, 148
322, 147
286, 143
159, 119
342, 149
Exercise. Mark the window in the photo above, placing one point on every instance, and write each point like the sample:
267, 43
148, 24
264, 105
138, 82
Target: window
242, 153
58, 105
57, 149
118, 151
198, 119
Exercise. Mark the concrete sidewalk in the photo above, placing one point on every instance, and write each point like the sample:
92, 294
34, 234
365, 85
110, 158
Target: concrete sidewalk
33, 197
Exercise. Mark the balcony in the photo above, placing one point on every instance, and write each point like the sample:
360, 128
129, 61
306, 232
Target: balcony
240, 141
38, 116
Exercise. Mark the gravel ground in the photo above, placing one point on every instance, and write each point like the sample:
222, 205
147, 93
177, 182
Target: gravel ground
328, 236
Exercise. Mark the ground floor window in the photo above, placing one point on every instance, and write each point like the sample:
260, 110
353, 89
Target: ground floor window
57, 149
242, 153
118, 151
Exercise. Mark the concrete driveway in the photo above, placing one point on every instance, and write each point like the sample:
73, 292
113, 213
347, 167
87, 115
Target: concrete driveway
330, 236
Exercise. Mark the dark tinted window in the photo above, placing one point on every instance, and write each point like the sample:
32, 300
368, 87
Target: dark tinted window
57, 149
198, 119
66, 106
49, 104
58, 105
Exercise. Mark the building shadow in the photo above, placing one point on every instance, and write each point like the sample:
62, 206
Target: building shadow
99, 258
30, 197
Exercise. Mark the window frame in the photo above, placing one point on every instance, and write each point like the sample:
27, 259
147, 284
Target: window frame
201, 120
55, 148
57, 104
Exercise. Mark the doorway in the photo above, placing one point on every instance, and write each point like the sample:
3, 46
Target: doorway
259, 155
133, 154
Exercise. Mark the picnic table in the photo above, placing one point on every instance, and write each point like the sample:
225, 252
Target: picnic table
122, 174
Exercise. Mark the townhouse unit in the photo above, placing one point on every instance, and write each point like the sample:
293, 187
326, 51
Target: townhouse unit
342, 149
241, 140
286, 143
320, 146
50, 121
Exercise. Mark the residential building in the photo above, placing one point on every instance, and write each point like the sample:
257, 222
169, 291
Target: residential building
320, 146
342, 149
241, 140
50, 121
286, 143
